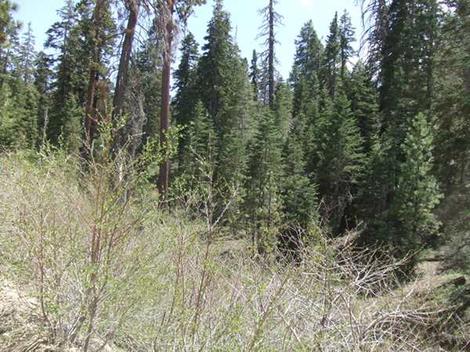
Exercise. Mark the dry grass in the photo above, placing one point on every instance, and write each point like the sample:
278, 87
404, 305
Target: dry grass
150, 283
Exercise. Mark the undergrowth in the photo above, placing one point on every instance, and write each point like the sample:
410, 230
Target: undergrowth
109, 269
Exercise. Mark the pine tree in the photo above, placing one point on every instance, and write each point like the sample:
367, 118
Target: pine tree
305, 71
67, 38
331, 58
226, 93
271, 19
452, 98
298, 195
42, 82
6, 20
197, 160
364, 104
417, 190
26, 53
255, 75
338, 160
262, 202
185, 78
282, 109
346, 37
145, 78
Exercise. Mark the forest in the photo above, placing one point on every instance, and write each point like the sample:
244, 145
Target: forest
159, 195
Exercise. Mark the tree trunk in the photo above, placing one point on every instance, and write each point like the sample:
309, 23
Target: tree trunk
91, 116
167, 19
122, 76
272, 40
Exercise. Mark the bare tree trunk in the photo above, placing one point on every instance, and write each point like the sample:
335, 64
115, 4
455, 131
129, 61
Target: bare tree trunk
168, 10
122, 76
91, 116
272, 41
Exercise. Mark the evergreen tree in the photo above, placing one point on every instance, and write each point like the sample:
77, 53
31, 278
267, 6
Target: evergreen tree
226, 93
26, 56
186, 94
71, 65
197, 161
255, 75
185, 79
338, 160
262, 202
417, 191
452, 98
6, 20
364, 104
298, 195
42, 82
304, 76
282, 109
331, 58
271, 19
346, 37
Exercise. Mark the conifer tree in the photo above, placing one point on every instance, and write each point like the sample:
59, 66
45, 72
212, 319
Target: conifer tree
145, 77
26, 56
262, 202
42, 82
197, 161
67, 37
185, 80
100, 39
364, 104
272, 19
6, 20
346, 37
186, 93
338, 159
226, 93
255, 75
331, 58
417, 190
305, 71
282, 109
452, 98
298, 196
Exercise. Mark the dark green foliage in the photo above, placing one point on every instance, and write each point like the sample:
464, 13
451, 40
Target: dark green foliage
282, 109
197, 159
417, 191
346, 37
262, 202
42, 82
18, 124
338, 159
364, 104
305, 71
298, 196
271, 20
227, 95
331, 58
185, 77
186, 93
452, 95
255, 74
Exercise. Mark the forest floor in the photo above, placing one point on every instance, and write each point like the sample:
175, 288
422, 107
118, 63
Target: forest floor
22, 328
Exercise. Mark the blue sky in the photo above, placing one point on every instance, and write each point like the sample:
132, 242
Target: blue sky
244, 17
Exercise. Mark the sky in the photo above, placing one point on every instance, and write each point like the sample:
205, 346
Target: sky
245, 21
